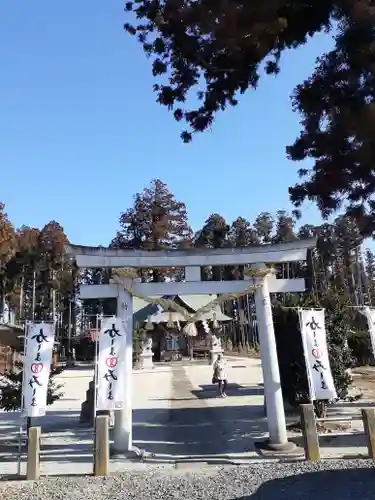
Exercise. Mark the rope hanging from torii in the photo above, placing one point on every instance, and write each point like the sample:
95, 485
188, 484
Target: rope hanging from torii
190, 328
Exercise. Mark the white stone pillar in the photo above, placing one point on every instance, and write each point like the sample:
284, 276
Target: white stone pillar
122, 433
270, 366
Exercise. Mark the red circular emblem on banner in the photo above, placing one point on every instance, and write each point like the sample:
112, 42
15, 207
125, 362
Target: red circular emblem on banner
317, 353
36, 368
111, 362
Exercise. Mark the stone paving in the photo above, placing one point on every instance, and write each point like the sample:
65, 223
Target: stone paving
177, 417
203, 427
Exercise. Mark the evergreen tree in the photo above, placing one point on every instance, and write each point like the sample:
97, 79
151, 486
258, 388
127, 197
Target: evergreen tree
41, 280
39, 285
336, 105
264, 225
284, 232
156, 221
220, 48
213, 234
370, 276
7, 243
338, 327
242, 234
7, 236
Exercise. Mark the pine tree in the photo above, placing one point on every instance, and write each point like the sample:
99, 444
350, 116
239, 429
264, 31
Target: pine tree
213, 234
156, 221
194, 46
338, 327
7, 247
221, 48
370, 276
242, 233
264, 225
336, 106
284, 228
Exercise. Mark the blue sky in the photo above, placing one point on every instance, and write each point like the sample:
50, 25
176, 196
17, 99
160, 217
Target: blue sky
80, 131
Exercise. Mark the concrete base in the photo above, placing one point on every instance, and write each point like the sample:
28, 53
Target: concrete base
145, 360
289, 448
214, 354
134, 455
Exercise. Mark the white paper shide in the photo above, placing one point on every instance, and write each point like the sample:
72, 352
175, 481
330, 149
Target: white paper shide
313, 330
40, 338
111, 365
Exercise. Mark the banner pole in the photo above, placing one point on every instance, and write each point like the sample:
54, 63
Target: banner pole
96, 363
304, 345
26, 333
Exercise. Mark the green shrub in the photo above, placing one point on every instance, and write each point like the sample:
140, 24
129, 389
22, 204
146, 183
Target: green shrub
290, 355
360, 345
290, 349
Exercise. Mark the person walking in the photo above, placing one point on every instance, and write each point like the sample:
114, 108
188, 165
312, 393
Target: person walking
220, 375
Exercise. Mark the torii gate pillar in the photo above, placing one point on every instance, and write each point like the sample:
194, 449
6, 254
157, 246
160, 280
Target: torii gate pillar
278, 439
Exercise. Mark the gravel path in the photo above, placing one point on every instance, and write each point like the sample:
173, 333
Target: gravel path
333, 480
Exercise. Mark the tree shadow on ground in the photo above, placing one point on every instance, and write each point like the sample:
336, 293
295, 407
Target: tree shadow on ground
344, 484
77, 367
54, 426
195, 434
9, 422
199, 431
209, 391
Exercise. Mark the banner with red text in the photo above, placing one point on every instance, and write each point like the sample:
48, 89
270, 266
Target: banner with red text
313, 330
111, 370
39, 338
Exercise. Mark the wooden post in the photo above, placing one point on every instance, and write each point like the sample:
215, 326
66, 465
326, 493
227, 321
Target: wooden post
309, 431
101, 454
368, 417
33, 454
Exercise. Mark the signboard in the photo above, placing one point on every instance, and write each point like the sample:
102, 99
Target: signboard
36, 368
111, 371
313, 330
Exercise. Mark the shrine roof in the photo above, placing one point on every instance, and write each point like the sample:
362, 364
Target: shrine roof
143, 309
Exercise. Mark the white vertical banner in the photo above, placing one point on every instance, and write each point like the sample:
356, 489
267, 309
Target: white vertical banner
314, 338
111, 369
369, 312
39, 338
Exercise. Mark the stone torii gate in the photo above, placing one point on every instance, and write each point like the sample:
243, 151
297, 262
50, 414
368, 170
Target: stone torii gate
192, 260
